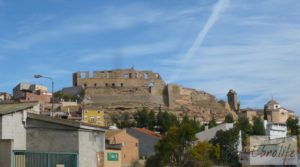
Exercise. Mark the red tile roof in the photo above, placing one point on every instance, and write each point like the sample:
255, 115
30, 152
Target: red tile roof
148, 132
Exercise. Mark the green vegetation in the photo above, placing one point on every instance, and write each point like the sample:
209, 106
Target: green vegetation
228, 142
228, 119
258, 127
212, 123
206, 153
292, 125
122, 120
60, 95
175, 148
144, 118
244, 125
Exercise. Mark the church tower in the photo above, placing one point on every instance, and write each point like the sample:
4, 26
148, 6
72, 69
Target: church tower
233, 100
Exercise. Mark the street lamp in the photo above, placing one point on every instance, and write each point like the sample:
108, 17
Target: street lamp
52, 82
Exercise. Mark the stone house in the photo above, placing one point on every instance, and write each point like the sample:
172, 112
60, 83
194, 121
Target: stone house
273, 112
23, 130
148, 138
130, 145
113, 155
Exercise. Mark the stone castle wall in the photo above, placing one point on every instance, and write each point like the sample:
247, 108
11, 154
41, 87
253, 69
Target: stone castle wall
109, 95
118, 78
129, 90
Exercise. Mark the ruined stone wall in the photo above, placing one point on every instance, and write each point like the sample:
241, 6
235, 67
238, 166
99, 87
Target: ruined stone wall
121, 95
179, 95
130, 90
198, 105
118, 78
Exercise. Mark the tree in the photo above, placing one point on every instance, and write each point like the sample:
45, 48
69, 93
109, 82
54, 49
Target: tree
246, 128
206, 153
142, 118
152, 120
258, 126
165, 120
197, 126
292, 125
228, 119
173, 148
122, 120
212, 123
228, 142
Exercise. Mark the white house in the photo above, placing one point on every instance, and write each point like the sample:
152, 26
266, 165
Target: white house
22, 130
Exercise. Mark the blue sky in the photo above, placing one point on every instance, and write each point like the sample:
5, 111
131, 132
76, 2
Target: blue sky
211, 45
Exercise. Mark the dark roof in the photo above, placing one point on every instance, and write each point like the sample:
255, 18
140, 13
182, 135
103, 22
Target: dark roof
114, 146
251, 109
8, 108
272, 102
66, 122
148, 132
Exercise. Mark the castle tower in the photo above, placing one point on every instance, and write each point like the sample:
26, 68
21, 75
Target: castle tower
233, 100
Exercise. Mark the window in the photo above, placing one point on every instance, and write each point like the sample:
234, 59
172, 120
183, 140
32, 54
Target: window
106, 84
95, 84
83, 75
113, 85
92, 120
126, 76
146, 76
85, 85
122, 85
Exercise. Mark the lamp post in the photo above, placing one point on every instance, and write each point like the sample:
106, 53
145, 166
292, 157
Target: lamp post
52, 83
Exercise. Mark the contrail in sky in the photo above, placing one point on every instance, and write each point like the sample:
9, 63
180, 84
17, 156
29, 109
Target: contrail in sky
218, 8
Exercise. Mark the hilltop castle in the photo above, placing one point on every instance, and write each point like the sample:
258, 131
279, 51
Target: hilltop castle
130, 89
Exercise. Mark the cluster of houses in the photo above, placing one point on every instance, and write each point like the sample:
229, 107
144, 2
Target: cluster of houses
26, 136
31, 136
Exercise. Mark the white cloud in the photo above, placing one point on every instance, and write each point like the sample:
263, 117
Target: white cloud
216, 11
129, 51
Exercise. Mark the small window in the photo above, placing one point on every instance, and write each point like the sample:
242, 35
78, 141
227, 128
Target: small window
106, 84
126, 76
146, 76
113, 85
83, 75
95, 85
92, 120
85, 85
122, 85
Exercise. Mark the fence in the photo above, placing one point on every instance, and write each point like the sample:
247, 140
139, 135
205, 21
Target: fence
44, 159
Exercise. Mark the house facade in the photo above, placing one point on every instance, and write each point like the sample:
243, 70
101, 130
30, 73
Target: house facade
21, 129
148, 139
130, 145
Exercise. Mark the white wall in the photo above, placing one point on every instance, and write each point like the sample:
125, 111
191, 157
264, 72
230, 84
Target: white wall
13, 128
89, 144
211, 133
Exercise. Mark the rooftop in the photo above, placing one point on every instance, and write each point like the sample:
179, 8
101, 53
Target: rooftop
148, 132
66, 122
7, 108
112, 133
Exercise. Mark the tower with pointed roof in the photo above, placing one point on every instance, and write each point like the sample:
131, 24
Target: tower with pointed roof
233, 100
